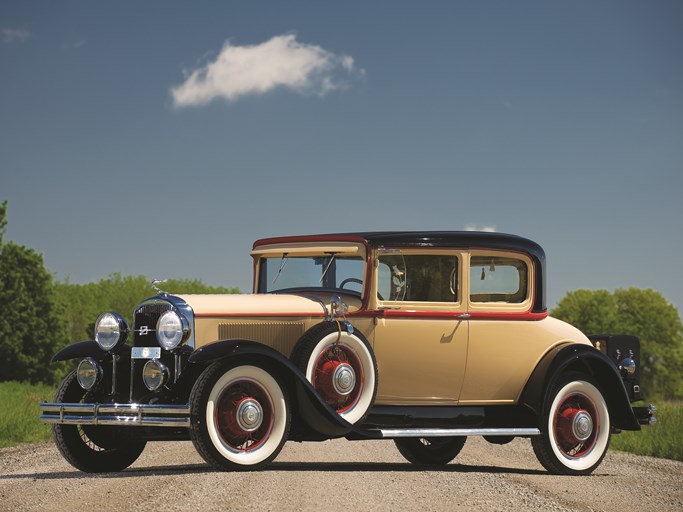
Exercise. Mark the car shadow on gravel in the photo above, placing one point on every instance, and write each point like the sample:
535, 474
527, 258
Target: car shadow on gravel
332, 467
395, 467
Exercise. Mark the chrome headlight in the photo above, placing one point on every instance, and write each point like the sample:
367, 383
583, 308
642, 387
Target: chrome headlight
110, 330
172, 330
154, 374
89, 373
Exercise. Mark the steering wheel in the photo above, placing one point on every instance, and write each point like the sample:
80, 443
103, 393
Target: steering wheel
351, 280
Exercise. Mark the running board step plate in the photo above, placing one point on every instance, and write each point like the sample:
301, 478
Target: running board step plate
452, 432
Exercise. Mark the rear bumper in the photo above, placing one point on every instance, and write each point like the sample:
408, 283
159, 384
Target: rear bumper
133, 415
645, 415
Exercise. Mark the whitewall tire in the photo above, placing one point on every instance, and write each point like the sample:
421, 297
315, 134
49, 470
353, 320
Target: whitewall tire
576, 429
240, 416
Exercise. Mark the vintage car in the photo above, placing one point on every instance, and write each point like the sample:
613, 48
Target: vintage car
424, 338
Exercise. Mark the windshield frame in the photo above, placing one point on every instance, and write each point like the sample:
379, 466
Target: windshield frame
263, 283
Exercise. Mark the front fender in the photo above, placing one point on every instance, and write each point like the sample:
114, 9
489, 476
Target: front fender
84, 349
312, 408
586, 359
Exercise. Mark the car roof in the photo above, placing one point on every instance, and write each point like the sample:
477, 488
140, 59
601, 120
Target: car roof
421, 239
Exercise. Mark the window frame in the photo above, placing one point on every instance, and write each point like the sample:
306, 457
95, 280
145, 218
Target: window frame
458, 305
523, 306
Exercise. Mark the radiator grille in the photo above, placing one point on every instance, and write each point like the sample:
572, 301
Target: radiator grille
282, 336
147, 316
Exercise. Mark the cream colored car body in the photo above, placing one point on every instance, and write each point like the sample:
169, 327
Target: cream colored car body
428, 353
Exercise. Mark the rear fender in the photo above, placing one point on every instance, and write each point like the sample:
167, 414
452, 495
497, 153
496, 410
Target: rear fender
311, 407
588, 360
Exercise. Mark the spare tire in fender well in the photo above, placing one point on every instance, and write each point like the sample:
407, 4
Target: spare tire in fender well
585, 359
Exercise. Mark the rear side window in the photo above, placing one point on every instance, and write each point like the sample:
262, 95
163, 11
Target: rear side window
498, 279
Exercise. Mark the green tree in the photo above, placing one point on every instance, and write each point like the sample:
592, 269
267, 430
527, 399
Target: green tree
31, 325
642, 313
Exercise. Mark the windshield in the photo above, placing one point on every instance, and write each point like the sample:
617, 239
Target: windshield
311, 273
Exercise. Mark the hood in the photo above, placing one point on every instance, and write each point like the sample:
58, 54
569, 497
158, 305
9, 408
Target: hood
252, 305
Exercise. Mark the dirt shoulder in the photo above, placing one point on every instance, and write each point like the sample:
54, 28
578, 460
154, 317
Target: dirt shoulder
339, 475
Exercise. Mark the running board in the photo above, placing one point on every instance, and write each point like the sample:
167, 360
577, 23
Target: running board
452, 432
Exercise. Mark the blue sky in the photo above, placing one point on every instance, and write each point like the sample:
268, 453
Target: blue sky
162, 138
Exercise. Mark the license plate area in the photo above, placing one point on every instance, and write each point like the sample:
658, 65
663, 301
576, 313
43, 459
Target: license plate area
145, 353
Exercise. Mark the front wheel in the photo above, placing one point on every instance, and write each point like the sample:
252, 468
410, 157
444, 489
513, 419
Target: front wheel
430, 450
240, 417
576, 428
93, 449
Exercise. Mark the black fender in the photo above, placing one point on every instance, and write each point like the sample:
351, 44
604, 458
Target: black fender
589, 360
84, 349
312, 408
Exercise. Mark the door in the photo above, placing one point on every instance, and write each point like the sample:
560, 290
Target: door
421, 331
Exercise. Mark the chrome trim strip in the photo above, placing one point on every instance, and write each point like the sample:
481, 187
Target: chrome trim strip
450, 432
142, 415
114, 358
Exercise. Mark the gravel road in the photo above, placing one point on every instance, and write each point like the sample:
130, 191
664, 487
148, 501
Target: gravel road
339, 475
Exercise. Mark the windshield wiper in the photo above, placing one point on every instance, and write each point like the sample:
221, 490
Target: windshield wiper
283, 262
333, 254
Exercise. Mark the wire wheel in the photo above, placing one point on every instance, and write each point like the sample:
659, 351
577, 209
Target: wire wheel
338, 375
576, 428
240, 416
244, 415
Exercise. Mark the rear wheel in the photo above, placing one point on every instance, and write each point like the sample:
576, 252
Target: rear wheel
90, 448
430, 450
576, 430
240, 416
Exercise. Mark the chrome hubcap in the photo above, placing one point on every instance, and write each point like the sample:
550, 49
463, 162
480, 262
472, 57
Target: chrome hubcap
249, 415
582, 426
344, 379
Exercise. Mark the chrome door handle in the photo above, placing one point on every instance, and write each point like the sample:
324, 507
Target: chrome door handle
463, 316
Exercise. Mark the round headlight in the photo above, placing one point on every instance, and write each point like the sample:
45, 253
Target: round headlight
110, 330
89, 373
154, 374
172, 330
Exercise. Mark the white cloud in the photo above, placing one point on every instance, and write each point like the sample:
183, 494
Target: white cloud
10, 35
279, 62
474, 227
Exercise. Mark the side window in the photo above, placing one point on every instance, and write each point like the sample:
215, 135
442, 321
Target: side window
498, 279
418, 278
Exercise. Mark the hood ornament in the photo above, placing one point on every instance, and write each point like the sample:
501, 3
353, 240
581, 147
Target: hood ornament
159, 281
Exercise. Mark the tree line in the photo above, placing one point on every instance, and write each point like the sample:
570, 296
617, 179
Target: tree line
39, 316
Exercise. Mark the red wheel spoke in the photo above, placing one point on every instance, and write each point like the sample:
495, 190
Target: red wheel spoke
230, 428
328, 363
575, 425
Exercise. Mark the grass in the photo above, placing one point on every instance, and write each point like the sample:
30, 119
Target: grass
664, 439
19, 419
19, 423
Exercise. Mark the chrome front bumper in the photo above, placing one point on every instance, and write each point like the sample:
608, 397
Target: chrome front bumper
133, 415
